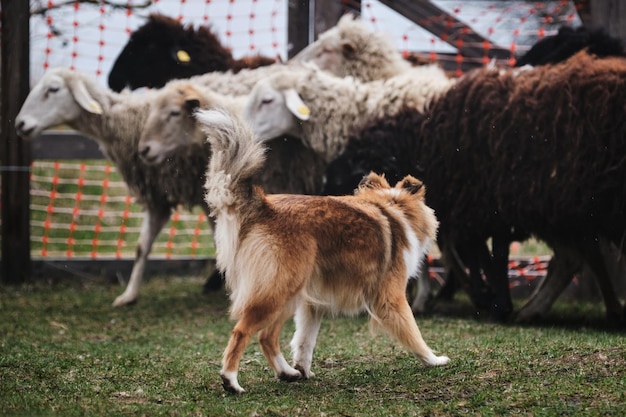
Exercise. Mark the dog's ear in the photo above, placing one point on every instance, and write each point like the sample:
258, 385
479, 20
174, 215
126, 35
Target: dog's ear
412, 185
373, 181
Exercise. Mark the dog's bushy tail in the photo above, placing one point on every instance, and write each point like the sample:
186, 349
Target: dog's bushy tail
235, 157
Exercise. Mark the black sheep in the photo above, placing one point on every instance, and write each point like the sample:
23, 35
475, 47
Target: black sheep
567, 42
509, 153
163, 49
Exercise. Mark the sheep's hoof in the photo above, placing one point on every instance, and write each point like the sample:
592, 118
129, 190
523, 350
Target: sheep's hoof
122, 301
213, 283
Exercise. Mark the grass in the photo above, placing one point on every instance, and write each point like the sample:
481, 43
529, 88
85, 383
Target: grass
66, 352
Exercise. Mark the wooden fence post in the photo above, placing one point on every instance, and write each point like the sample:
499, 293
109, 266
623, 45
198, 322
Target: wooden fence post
610, 15
298, 26
308, 18
15, 157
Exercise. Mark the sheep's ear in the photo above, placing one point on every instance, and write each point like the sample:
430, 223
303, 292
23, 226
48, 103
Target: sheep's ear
348, 49
412, 185
83, 98
373, 181
296, 105
191, 104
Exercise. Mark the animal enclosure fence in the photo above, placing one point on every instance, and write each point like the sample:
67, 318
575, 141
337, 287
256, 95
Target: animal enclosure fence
80, 208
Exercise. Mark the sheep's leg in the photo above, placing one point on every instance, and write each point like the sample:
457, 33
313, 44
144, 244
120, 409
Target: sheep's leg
561, 269
215, 281
270, 345
498, 277
595, 260
308, 320
423, 290
455, 272
479, 261
473, 283
153, 222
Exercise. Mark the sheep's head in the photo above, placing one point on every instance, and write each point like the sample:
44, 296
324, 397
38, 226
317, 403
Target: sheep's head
164, 49
60, 96
334, 46
275, 109
170, 126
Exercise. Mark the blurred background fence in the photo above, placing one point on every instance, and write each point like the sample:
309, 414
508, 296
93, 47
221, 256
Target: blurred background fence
77, 207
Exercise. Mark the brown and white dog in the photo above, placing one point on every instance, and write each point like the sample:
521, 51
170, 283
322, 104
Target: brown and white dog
308, 255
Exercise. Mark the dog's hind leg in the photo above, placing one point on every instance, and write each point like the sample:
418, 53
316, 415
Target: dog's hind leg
394, 315
308, 320
270, 345
255, 318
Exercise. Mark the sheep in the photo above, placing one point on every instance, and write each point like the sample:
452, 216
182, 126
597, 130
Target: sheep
350, 48
171, 128
171, 112
163, 49
115, 121
322, 110
499, 164
291, 167
567, 42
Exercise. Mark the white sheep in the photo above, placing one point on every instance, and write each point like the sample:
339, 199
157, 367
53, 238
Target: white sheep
323, 110
352, 49
170, 123
171, 128
116, 121
349, 48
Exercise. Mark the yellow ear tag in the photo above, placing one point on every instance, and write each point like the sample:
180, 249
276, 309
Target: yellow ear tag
304, 110
183, 56
95, 107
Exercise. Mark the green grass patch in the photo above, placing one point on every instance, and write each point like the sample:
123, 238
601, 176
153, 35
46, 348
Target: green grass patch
66, 351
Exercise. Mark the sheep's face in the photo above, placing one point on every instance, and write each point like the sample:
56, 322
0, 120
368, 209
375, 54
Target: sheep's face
170, 127
50, 103
327, 53
275, 112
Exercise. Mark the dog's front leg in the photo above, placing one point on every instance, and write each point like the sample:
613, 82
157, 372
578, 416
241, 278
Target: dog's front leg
308, 320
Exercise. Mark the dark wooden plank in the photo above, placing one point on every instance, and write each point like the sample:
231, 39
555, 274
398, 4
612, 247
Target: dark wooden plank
65, 145
16, 157
447, 28
115, 269
328, 12
610, 15
299, 33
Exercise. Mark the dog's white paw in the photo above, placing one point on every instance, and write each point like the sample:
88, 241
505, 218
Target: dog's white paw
306, 373
230, 384
439, 360
290, 375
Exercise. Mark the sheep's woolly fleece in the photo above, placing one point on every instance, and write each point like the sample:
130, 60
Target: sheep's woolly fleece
539, 151
341, 106
372, 57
